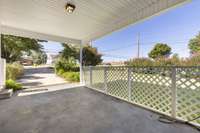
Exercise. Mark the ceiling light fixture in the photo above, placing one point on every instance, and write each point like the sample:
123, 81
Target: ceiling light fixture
70, 8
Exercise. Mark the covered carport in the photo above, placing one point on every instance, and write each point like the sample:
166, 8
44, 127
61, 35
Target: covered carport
77, 109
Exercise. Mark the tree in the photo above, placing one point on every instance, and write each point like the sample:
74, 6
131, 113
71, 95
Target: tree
194, 45
69, 51
91, 56
39, 57
13, 47
160, 50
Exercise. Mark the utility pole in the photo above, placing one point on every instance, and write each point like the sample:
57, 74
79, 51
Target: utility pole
138, 46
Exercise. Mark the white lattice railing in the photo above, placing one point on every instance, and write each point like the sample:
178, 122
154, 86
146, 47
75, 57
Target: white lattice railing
173, 91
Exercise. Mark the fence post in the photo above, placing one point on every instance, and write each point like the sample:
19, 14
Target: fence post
174, 95
90, 69
105, 80
129, 84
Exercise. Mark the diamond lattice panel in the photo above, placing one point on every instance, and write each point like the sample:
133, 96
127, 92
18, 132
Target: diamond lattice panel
117, 81
188, 93
151, 87
98, 78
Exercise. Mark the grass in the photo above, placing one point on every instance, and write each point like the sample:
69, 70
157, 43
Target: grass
69, 76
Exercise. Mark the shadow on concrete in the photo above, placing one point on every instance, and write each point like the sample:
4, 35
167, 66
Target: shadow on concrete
32, 77
31, 84
39, 70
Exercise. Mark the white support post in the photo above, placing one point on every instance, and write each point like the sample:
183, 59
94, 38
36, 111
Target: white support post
174, 95
90, 69
0, 40
0, 29
105, 79
81, 64
129, 84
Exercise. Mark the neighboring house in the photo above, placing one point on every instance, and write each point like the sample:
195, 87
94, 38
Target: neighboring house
194, 54
51, 58
26, 60
114, 63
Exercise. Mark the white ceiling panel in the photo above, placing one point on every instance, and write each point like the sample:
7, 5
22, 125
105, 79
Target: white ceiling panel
90, 20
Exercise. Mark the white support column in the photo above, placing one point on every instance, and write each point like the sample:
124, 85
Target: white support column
81, 63
0, 40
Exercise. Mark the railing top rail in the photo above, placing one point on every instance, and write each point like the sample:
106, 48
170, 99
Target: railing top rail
145, 66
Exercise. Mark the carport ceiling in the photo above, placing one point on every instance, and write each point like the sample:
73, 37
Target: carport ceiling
90, 20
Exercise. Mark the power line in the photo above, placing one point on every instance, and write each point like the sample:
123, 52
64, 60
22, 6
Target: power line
144, 43
119, 48
116, 56
179, 42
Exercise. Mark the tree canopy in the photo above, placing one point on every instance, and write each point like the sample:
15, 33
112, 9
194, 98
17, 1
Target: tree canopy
14, 46
90, 54
194, 45
39, 57
160, 50
69, 51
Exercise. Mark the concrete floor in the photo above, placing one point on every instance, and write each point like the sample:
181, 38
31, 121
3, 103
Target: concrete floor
35, 77
79, 110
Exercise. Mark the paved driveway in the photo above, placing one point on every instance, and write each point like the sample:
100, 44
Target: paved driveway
40, 76
79, 110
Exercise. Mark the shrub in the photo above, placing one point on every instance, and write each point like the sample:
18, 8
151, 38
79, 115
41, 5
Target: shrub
71, 76
193, 61
66, 65
140, 62
163, 62
14, 71
67, 69
11, 84
173, 61
60, 72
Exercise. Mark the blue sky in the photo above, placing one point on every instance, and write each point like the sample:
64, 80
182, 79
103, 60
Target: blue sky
174, 27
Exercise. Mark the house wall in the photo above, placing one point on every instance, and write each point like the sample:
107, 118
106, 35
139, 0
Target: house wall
2, 73
2, 65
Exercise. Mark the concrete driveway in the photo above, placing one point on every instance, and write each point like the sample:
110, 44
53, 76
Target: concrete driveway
80, 110
39, 76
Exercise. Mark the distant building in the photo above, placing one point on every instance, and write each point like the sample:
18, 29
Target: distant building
192, 54
114, 63
51, 58
26, 60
